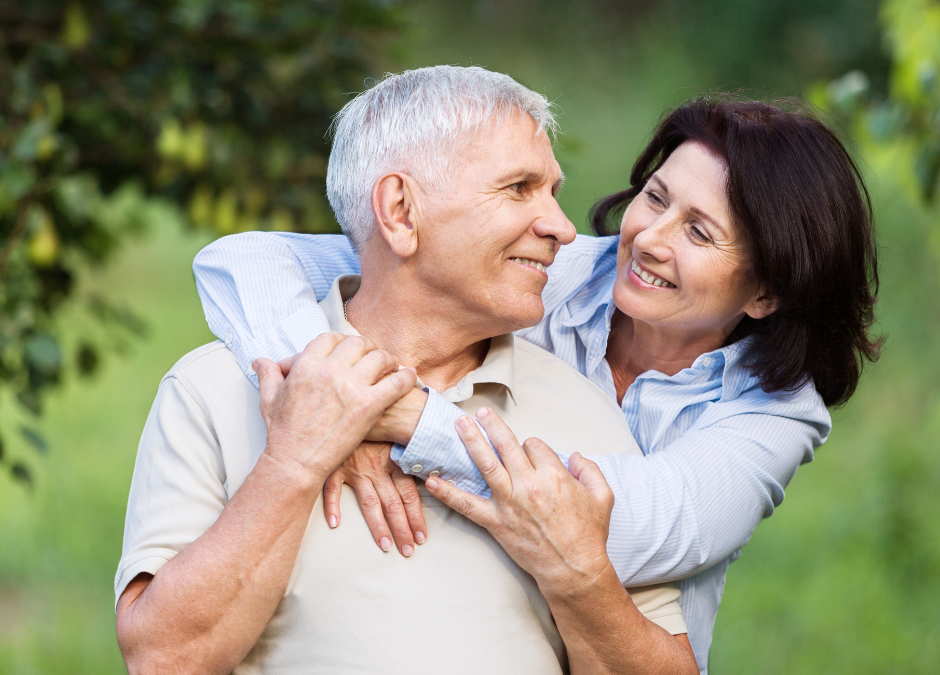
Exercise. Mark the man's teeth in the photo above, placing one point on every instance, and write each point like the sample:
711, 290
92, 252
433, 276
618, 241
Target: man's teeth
649, 278
531, 263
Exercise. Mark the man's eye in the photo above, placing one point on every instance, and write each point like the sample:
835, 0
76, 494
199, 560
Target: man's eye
518, 187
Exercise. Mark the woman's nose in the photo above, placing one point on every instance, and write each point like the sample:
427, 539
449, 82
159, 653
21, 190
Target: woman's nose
657, 238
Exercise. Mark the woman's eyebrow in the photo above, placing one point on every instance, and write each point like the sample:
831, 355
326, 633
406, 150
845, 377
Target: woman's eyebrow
704, 216
662, 185
694, 209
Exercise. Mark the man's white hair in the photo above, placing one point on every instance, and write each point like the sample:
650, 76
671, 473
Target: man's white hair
417, 122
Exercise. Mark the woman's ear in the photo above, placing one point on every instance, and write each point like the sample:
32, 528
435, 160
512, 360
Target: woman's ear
396, 206
762, 305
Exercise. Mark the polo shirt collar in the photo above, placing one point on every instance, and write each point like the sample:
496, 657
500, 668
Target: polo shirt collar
498, 366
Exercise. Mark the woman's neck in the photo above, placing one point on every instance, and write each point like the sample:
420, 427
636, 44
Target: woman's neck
634, 348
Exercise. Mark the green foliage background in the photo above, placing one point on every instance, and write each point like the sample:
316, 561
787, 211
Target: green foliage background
844, 578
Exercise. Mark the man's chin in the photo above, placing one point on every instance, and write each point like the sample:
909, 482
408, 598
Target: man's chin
528, 317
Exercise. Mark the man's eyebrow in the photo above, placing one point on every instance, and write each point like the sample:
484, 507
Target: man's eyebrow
524, 176
694, 209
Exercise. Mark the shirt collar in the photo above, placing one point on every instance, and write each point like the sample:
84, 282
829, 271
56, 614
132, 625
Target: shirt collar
498, 366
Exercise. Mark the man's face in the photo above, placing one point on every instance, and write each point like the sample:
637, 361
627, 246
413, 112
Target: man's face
486, 241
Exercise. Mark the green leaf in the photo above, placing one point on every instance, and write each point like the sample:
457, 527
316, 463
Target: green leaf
42, 352
15, 181
21, 474
29, 399
35, 439
87, 359
27, 143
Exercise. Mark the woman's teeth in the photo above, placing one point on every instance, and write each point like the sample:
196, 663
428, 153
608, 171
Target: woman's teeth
649, 278
531, 263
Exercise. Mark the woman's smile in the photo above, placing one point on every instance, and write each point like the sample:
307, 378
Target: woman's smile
648, 279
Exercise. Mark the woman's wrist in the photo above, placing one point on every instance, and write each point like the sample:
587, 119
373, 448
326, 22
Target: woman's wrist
398, 423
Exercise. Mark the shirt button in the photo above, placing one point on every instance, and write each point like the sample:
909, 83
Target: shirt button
228, 338
707, 362
434, 473
416, 468
453, 482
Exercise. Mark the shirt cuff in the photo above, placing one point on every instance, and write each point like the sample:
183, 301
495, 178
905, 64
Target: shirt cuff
290, 336
436, 449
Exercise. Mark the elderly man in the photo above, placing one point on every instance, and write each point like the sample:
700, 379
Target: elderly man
446, 181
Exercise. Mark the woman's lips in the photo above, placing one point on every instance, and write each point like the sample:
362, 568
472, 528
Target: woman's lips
651, 279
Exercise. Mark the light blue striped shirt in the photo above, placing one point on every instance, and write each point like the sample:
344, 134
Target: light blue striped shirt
717, 450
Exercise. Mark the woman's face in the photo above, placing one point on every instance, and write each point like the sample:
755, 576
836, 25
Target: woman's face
680, 265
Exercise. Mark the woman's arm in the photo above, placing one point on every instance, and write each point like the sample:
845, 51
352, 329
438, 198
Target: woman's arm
259, 290
554, 523
682, 508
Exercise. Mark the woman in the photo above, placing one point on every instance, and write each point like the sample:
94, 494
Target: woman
733, 308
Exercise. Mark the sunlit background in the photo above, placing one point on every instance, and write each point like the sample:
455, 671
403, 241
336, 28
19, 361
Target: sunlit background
844, 578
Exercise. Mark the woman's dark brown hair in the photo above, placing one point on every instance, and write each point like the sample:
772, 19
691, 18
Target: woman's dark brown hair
799, 203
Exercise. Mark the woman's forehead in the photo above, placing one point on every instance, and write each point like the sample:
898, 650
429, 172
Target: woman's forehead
697, 179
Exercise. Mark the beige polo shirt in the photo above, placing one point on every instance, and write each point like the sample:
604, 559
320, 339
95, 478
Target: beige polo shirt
459, 605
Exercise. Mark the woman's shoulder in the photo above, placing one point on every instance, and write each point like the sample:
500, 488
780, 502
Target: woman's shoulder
742, 392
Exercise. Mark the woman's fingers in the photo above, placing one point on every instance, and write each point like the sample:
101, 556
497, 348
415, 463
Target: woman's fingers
371, 506
395, 516
410, 498
494, 473
502, 438
475, 508
332, 491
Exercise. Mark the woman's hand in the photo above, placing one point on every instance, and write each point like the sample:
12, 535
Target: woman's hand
398, 423
387, 496
551, 520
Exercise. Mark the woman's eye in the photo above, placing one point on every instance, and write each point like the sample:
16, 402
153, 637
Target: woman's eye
699, 235
654, 198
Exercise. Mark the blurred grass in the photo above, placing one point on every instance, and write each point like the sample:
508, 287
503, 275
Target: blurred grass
845, 578
61, 543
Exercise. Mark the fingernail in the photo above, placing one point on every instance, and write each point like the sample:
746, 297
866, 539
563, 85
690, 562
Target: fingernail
413, 370
254, 365
332, 521
407, 550
385, 543
482, 412
431, 483
463, 423
419, 537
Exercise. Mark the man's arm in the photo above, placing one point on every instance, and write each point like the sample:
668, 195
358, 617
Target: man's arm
206, 607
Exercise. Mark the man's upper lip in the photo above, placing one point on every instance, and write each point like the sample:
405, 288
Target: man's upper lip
541, 261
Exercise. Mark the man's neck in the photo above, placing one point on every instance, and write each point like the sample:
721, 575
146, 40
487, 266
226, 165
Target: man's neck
418, 330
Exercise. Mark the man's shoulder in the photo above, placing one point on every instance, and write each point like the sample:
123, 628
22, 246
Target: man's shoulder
567, 403
531, 356
212, 363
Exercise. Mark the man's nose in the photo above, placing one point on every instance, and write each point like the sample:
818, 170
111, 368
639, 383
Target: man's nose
554, 223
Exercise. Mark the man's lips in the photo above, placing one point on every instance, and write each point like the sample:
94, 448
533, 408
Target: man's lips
534, 264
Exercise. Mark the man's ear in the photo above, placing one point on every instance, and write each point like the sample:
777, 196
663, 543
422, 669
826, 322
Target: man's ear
763, 304
396, 206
